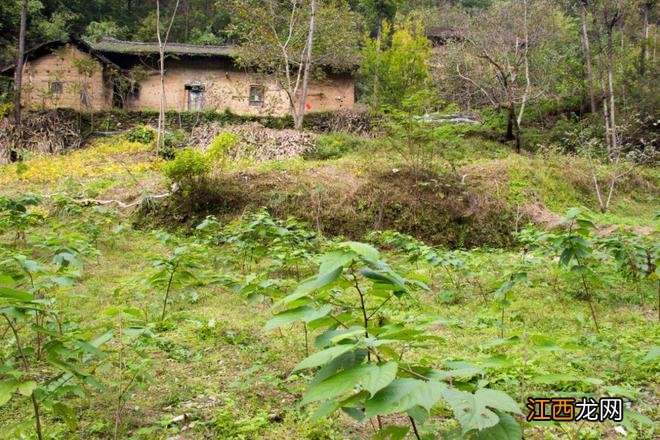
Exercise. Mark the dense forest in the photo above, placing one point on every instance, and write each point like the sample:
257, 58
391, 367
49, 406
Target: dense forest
536, 59
329, 219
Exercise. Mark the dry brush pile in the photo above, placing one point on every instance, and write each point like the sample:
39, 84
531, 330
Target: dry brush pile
42, 132
256, 142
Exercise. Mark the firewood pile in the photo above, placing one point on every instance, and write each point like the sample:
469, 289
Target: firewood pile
43, 132
347, 120
256, 142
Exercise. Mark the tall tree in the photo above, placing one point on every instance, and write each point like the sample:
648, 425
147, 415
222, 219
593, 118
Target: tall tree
20, 57
504, 56
277, 37
586, 50
307, 63
497, 40
162, 43
398, 68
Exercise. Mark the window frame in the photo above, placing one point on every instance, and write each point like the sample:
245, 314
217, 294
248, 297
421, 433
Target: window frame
261, 94
55, 88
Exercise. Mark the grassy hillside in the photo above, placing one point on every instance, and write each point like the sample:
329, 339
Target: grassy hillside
210, 369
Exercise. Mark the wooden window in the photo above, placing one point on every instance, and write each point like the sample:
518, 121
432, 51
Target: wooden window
134, 92
55, 87
195, 92
257, 95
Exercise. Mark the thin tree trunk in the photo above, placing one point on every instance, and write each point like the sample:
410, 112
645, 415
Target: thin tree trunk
308, 62
161, 55
162, 43
521, 113
644, 54
379, 39
603, 94
599, 196
512, 128
26, 366
610, 85
18, 73
516, 129
587, 55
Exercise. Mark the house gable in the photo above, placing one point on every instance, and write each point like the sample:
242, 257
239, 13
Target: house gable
66, 76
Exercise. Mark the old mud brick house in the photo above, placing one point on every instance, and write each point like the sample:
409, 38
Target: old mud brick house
122, 74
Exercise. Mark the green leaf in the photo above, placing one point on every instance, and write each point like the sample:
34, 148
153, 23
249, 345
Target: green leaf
347, 360
354, 413
584, 223
566, 256
392, 432
67, 414
572, 213
364, 250
472, 410
6, 292
504, 289
506, 429
7, 388
312, 284
63, 281
26, 388
498, 400
378, 379
403, 394
304, 313
512, 340
336, 385
90, 348
324, 410
544, 344
323, 356
457, 369
498, 361
371, 377
629, 416
386, 279
349, 333
332, 260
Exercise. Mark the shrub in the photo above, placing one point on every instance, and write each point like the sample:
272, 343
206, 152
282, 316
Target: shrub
6, 109
221, 145
172, 141
175, 139
188, 164
142, 133
334, 146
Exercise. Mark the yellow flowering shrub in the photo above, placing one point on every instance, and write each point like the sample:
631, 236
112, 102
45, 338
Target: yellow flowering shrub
102, 158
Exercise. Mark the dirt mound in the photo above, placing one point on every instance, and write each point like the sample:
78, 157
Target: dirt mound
436, 208
539, 214
256, 142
